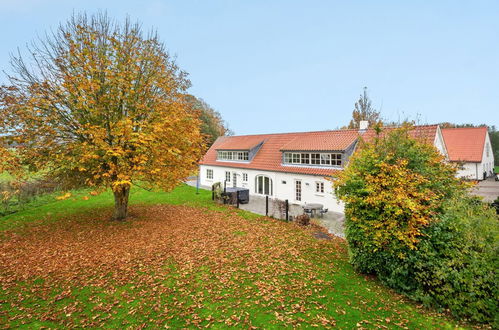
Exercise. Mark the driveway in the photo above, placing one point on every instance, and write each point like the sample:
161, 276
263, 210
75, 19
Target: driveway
488, 189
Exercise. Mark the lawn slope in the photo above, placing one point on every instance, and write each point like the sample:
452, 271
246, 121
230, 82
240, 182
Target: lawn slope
183, 262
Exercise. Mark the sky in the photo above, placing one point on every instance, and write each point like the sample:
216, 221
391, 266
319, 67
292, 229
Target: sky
286, 66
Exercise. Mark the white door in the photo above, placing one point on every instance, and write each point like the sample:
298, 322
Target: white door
298, 190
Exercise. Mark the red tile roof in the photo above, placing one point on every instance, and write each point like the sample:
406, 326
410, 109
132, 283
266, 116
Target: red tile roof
269, 157
465, 143
423, 133
239, 142
322, 141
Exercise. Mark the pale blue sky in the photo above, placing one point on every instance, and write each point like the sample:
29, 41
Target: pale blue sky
282, 66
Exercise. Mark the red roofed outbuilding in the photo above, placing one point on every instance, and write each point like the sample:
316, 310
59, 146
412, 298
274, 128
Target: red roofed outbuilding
471, 148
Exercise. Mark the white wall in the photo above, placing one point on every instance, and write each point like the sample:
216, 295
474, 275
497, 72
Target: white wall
487, 157
280, 190
474, 171
469, 171
439, 143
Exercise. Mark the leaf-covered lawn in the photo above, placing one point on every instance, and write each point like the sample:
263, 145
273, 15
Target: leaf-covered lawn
188, 266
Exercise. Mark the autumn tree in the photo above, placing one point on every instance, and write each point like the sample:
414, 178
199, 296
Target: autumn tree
392, 188
212, 123
100, 103
413, 224
364, 111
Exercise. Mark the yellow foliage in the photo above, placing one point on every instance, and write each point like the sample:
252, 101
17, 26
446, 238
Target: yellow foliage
113, 117
393, 188
63, 197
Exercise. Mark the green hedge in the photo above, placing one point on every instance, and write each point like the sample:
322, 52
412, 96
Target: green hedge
452, 260
455, 265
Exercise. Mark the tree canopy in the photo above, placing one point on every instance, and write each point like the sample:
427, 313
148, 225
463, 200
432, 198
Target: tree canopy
212, 124
100, 103
412, 223
392, 188
364, 111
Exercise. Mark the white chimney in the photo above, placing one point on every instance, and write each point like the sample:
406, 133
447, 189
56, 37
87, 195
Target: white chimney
363, 125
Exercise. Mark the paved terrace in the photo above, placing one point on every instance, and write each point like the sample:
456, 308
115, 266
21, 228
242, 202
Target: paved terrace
488, 189
332, 221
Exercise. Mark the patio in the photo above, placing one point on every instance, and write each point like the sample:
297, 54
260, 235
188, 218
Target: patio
332, 221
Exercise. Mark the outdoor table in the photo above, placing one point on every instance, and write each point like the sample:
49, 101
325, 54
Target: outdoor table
313, 207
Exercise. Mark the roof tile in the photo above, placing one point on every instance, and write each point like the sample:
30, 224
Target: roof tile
269, 157
465, 143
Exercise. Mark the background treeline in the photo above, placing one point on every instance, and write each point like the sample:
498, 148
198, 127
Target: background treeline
364, 110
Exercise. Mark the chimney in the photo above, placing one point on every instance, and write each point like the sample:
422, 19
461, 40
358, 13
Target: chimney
363, 125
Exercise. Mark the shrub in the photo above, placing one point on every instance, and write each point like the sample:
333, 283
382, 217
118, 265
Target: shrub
456, 264
410, 222
392, 189
302, 220
15, 195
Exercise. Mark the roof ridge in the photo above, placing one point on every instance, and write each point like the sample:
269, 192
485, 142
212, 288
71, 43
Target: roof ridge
330, 130
304, 132
475, 127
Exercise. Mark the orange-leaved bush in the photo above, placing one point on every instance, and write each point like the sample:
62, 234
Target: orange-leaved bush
411, 222
393, 187
98, 103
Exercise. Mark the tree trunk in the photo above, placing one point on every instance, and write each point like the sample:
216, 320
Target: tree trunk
121, 202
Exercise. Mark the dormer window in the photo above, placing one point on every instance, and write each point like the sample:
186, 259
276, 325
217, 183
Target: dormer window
321, 159
233, 155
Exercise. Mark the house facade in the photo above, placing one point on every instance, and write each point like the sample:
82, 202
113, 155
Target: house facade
298, 167
470, 148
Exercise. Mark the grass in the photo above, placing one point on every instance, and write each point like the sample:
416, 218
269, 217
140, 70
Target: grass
496, 169
5, 177
182, 261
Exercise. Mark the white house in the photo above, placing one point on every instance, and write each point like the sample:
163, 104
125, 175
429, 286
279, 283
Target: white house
470, 147
292, 166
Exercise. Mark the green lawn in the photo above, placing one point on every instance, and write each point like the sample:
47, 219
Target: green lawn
181, 261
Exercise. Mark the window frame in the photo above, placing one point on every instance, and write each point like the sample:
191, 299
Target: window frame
264, 185
319, 187
298, 190
233, 155
328, 159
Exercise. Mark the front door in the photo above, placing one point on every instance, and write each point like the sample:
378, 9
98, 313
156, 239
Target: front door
234, 179
298, 190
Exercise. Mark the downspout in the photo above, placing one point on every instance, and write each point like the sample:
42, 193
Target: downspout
476, 170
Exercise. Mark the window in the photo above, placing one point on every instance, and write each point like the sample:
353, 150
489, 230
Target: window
233, 155
323, 159
487, 147
319, 187
315, 159
227, 176
245, 177
336, 159
242, 155
263, 185
298, 190
209, 174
